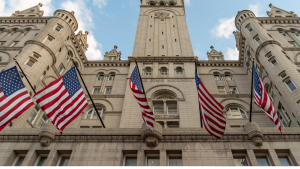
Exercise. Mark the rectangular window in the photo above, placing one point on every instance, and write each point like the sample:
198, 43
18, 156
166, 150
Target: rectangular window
249, 27
222, 90
234, 90
111, 77
283, 75
173, 124
2, 43
14, 44
68, 57
112, 58
30, 62
175, 161
34, 114
158, 108
274, 62
290, 84
172, 108
61, 69
240, 161
228, 77
295, 33
108, 90
293, 44
58, 27
100, 78
130, 161
217, 77
272, 94
285, 161
64, 159
262, 161
258, 40
153, 161
19, 160
96, 90
12, 33
25, 33
48, 40
283, 33
41, 160
284, 118
43, 120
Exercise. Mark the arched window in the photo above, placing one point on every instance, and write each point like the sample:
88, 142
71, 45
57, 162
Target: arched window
69, 55
148, 71
267, 86
100, 77
179, 71
228, 76
111, 77
164, 71
217, 76
236, 113
92, 114
164, 102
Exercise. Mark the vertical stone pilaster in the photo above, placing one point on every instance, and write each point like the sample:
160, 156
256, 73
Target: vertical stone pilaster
163, 158
141, 158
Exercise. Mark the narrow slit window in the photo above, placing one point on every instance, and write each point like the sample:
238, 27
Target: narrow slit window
58, 27
49, 39
274, 62
258, 40
249, 27
291, 85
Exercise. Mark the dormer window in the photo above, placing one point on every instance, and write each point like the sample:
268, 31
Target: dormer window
249, 27
58, 27
112, 58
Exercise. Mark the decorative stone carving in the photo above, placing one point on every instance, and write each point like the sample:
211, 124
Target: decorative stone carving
254, 133
162, 15
167, 116
47, 134
152, 138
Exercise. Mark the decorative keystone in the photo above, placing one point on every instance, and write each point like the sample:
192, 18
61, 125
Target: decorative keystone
152, 138
47, 134
254, 133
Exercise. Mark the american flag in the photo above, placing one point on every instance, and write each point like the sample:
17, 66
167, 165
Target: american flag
14, 98
62, 100
211, 110
262, 100
138, 93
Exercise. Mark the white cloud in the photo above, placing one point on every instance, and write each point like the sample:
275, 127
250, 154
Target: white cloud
255, 9
225, 28
187, 2
8, 7
232, 54
85, 22
100, 3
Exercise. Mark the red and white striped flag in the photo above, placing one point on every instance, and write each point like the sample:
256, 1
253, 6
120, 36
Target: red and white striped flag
62, 100
211, 111
138, 93
14, 98
262, 100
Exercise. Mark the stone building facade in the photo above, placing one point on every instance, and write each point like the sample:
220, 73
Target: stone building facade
44, 47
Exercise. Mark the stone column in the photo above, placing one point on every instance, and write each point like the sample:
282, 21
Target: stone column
274, 158
52, 158
252, 158
165, 106
163, 158
141, 158
30, 158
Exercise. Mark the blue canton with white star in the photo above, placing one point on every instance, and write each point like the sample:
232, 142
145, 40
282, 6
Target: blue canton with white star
136, 79
197, 79
256, 82
10, 81
71, 82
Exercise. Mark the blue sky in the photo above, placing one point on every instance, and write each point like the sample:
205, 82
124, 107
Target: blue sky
114, 22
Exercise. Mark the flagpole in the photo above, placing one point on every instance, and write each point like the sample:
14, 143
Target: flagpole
253, 58
24, 74
88, 93
197, 92
135, 58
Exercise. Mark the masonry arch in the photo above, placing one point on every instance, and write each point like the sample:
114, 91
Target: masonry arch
179, 94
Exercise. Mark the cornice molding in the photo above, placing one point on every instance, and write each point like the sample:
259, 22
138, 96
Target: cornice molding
24, 20
138, 138
43, 46
101, 96
291, 49
162, 59
278, 20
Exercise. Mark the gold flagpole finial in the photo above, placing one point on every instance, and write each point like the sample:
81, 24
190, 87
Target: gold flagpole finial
253, 58
134, 57
72, 59
15, 58
195, 58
